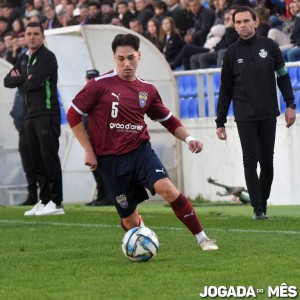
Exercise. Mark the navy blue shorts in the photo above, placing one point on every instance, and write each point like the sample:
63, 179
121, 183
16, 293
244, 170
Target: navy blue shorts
126, 177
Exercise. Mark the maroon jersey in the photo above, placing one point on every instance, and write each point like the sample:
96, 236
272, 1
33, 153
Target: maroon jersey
116, 109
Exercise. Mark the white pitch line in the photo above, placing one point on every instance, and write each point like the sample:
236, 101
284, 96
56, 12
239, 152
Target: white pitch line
153, 227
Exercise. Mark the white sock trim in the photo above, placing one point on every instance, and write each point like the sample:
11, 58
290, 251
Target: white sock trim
199, 236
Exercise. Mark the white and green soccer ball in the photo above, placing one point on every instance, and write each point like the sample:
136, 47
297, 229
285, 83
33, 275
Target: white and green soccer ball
140, 244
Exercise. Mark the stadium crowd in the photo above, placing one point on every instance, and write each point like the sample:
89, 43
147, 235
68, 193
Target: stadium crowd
191, 34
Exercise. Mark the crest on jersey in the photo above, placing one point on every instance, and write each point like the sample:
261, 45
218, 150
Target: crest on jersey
263, 53
122, 201
143, 96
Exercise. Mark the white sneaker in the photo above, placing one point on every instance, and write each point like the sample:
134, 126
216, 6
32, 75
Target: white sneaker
207, 244
38, 207
51, 209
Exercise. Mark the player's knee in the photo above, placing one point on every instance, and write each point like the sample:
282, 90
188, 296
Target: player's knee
166, 189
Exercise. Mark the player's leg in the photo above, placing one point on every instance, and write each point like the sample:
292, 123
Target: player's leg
184, 211
153, 175
116, 173
248, 133
134, 220
267, 133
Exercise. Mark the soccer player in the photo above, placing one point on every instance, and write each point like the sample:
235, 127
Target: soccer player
248, 77
118, 141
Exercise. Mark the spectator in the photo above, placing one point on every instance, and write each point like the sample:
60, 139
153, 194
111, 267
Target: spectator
160, 11
95, 16
108, 12
262, 19
4, 26
215, 56
153, 33
180, 16
18, 26
11, 12
8, 43
3, 51
39, 6
203, 20
68, 18
84, 13
29, 7
61, 7
75, 20
214, 37
32, 17
117, 22
293, 53
219, 10
51, 17
172, 42
283, 37
194, 38
125, 15
15, 49
137, 27
144, 13
131, 7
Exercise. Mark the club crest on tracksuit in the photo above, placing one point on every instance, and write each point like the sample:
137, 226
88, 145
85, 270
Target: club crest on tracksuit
122, 201
143, 96
263, 53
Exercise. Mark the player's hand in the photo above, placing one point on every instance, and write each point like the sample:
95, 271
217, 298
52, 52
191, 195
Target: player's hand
91, 160
290, 117
195, 146
15, 73
221, 133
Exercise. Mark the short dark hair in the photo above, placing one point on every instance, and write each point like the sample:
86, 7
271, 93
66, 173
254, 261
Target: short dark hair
244, 9
123, 2
94, 3
35, 24
126, 40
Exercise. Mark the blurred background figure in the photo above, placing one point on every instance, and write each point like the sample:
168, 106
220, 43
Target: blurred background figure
262, 19
172, 42
125, 15
153, 33
102, 198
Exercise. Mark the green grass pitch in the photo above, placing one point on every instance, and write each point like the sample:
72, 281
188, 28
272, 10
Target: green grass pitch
78, 255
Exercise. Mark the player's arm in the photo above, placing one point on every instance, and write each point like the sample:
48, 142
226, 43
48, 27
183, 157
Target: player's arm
76, 124
224, 100
285, 86
42, 71
14, 78
174, 126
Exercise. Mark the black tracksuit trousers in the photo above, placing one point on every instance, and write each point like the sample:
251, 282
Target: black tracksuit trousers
42, 135
258, 141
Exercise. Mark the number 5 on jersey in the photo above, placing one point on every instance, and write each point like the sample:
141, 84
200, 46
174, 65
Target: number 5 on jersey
114, 109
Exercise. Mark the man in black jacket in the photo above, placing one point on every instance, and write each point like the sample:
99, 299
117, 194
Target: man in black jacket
248, 79
35, 73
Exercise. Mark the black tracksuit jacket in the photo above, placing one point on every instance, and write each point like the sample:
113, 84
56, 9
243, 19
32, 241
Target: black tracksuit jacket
41, 89
248, 78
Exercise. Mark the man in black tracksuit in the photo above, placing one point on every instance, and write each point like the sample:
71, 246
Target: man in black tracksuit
35, 73
248, 78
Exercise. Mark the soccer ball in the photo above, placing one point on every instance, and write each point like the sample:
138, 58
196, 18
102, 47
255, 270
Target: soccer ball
140, 244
